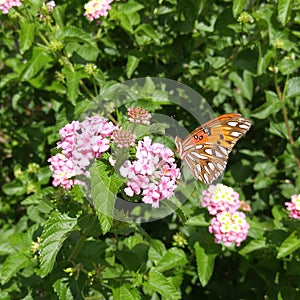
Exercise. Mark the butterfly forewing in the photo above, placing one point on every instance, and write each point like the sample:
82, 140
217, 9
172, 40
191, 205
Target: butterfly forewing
206, 149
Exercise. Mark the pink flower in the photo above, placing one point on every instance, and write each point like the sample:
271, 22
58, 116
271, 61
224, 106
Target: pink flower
138, 115
6, 5
293, 206
219, 198
80, 143
152, 174
96, 8
50, 6
64, 171
229, 228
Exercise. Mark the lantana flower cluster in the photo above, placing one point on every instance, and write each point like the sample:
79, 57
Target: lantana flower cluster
6, 5
228, 225
96, 8
80, 143
293, 207
153, 174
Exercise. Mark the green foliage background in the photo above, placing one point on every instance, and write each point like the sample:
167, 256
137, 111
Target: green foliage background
241, 56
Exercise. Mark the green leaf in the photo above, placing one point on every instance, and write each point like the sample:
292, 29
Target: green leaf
254, 245
290, 244
284, 10
174, 257
237, 7
126, 292
245, 85
293, 87
159, 283
62, 289
132, 64
16, 188
56, 231
205, 264
130, 7
105, 186
156, 251
198, 220
72, 33
13, 264
264, 60
40, 58
26, 35
73, 78
271, 106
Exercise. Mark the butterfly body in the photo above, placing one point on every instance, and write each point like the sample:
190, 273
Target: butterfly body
206, 149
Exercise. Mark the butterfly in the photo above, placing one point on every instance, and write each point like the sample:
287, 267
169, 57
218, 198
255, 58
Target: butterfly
205, 150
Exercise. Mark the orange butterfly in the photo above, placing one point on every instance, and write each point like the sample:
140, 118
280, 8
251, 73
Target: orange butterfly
206, 149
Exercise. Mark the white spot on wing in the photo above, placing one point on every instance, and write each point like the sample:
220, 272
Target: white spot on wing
196, 154
198, 167
224, 150
206, 180
199, 147
211, 165
218, 154
244, 126
236, 133
208, 151
207, 169
232, 124
190, 157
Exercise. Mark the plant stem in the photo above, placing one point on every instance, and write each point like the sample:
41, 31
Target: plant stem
286, 121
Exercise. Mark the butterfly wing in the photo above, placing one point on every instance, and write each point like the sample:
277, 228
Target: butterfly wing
206, 149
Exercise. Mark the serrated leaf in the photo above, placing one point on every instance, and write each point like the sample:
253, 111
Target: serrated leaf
293, 87
72, 33
40, 58
289, 245
205, 264
237, 7
105, 186
254, 245
157, 250
62, 289
132, 64
26, 35
159, 283
284, 10
125, 292
55, 232
12, 265
174, 257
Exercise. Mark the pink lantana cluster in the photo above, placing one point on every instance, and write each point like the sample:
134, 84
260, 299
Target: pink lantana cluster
6, 5
153, 174
96, 8
228, 225
80, 143
220, 198
293, 207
